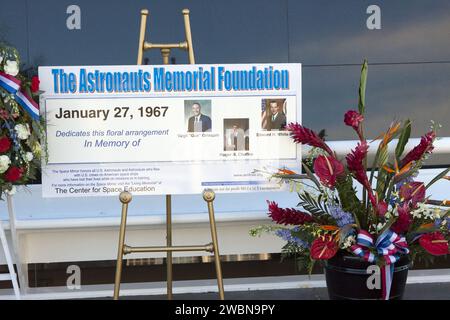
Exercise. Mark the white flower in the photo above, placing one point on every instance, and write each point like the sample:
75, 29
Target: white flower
23, 131
1, 59
349, 241
11, 68
12, 191
29, 156
4, 163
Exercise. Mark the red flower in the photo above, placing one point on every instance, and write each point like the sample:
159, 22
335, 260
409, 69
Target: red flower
404, 220
425, 146
304, 135
287, 216
414, 191
323, 248
13, 174
4, 114
328, 169
35, 84
354, 119
355, 165
382, 208
434, 243
5, 144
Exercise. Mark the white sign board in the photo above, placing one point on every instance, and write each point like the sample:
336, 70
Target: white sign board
174, 129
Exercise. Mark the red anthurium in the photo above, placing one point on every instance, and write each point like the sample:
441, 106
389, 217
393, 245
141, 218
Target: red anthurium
328, 169
323, 248
414, 191
434, 243
5, 144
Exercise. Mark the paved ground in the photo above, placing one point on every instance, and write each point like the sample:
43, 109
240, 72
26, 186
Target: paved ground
433, 291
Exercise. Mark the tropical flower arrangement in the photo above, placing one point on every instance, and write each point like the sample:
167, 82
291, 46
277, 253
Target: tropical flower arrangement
21, 129
391, 217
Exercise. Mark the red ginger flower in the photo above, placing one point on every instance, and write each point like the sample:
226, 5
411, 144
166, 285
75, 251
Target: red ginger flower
328, 169
323, 248
382, 208
355, 165
434, 243
304, 135
354, 119
425, 146
13, 174
5, 144
404, 220
287, 216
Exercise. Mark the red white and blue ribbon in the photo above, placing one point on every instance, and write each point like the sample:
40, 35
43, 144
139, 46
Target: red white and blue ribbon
388, 246
12, 85
9, 83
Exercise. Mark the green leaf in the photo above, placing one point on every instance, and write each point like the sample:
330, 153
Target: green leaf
362, 88
311, 175
403, 139
438, 177
312, 206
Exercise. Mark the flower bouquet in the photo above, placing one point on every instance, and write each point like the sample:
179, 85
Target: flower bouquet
388, 224
21, 129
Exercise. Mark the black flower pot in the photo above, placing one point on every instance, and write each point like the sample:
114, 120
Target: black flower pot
347, 276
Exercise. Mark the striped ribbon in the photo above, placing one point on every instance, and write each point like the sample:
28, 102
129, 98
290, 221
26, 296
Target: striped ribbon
12, 85
388, 246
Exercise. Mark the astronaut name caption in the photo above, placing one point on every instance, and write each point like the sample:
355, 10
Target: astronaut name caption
116, 112
198, 135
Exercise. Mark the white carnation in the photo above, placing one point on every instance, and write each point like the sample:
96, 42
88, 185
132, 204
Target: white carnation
11, 68
23, 131
4, 163
1, 59
29, 156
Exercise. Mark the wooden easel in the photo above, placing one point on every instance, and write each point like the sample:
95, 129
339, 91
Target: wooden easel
208, 195
11, 275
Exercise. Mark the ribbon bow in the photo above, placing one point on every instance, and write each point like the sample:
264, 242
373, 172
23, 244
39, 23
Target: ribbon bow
388, 246
12, 85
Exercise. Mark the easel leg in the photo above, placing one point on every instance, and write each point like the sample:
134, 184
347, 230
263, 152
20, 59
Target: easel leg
125, 198
209, 196
169, 244
22, 268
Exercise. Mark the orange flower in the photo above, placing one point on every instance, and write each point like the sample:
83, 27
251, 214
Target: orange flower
286, 172
396, 170
329, 227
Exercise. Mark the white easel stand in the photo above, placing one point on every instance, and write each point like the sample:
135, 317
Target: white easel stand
11, 276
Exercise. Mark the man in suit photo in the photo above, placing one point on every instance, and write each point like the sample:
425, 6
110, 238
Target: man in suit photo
198, 122
277, 117
236, 139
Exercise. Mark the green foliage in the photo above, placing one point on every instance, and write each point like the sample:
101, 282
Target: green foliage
362, 88
403, 139
315, 207
350, 201
311, 176
437, 178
